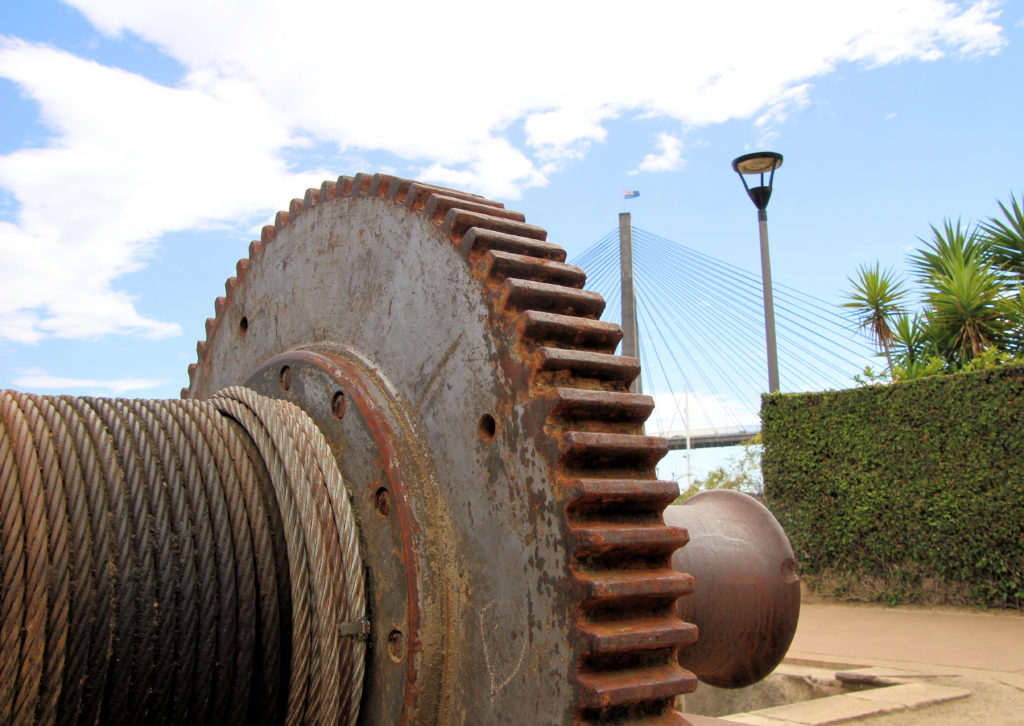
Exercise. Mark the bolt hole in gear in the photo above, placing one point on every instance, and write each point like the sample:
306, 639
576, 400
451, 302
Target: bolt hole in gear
327, 529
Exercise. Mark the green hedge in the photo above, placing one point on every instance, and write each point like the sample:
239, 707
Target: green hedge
906, 492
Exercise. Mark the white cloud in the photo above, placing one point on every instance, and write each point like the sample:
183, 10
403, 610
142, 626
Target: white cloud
777, 113
128, 162
431, 83
38, 379
670, 157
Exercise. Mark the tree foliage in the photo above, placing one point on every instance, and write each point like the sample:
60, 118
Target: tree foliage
877, 300
742, 473
970, 288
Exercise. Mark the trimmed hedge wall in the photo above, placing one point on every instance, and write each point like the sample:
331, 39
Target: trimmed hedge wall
913, 490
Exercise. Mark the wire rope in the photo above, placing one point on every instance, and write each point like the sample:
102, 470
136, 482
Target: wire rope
173, 562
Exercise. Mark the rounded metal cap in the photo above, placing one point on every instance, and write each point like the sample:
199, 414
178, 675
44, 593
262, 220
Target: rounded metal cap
758, 162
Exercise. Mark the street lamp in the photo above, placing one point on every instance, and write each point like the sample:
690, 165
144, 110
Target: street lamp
758, 164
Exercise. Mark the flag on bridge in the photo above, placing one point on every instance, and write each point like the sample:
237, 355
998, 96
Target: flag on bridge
631, 194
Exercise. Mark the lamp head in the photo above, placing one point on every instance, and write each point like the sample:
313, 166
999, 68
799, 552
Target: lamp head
758, 163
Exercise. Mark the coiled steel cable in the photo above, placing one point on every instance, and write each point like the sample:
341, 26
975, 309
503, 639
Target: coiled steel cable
12, 598
98, 465
32, 637
81, 580
57, 581
269, 432
174, 561
339, 518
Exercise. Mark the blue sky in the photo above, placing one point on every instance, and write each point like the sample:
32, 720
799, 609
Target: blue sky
143, 144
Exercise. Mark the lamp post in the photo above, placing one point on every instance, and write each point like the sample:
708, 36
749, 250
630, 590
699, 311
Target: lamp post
758, 164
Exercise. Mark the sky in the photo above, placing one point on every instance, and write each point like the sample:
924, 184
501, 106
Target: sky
144, 143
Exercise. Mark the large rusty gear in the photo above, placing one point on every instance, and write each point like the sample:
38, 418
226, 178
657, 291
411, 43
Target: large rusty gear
518, 563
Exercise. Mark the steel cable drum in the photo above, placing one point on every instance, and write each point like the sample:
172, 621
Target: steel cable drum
746, 598
518, 567
174, 612
441, 351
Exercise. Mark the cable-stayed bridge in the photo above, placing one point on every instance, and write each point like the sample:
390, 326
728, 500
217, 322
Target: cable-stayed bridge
700, 326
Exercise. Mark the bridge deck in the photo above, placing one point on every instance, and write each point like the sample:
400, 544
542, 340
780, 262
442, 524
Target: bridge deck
710, 439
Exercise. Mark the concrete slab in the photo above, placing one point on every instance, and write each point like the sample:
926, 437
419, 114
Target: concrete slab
911, 695
756, 719
880, 676
1012, 679
834, 709
709, 721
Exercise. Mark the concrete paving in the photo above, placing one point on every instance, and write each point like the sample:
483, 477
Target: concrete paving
943, 666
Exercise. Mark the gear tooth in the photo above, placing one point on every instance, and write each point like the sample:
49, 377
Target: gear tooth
633, 585
419, 193
201, 344
211, 324
281, 220
588, 497
502, 265
417, 196
256, 247
186, 392
266, 234
571, 332
606, 409
399, 189
459, 221
436, 208
588, 365
361, 185
230, 285
243, 266
438, 205
218, 307
587, 451
483, 238
381, 185
530, 295
183, 393
640, 633
626, 539
311, 198
294, 208
345, 185
327, 190
607, 689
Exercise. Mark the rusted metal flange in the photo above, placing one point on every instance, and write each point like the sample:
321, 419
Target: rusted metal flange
746, 600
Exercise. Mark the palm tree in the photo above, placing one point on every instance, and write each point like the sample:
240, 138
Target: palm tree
952, 245
877, 300
967, 308
1006, 238
913, 338
965, 291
